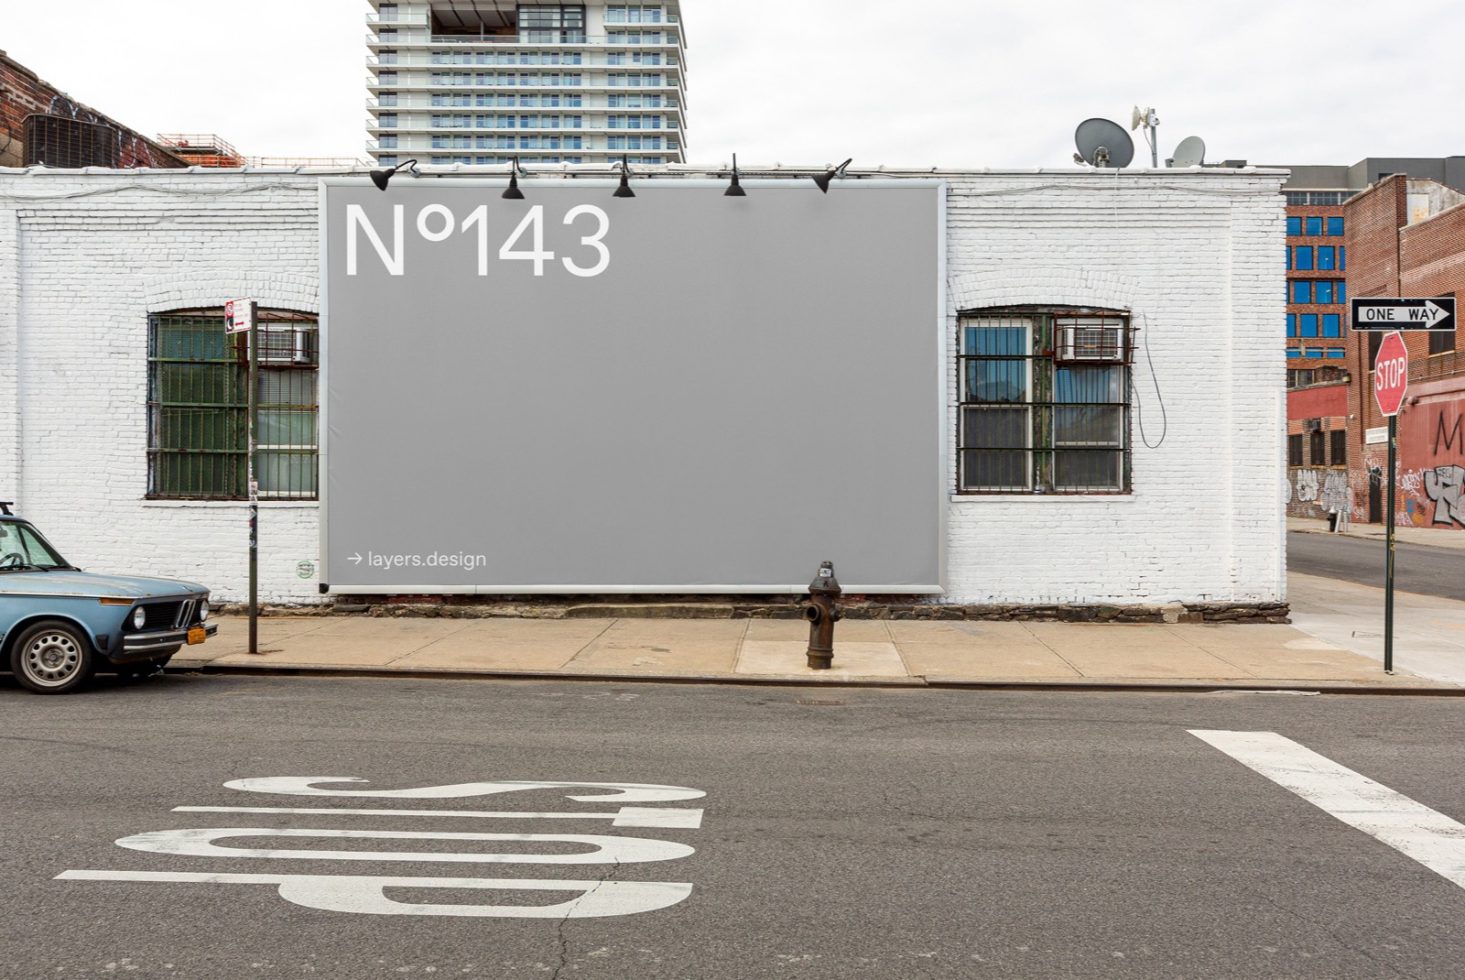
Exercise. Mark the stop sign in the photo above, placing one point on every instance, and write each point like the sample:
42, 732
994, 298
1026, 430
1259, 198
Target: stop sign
1391, 374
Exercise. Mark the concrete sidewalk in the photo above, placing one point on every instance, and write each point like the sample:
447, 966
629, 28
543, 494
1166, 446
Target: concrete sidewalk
897, 652
1434, 537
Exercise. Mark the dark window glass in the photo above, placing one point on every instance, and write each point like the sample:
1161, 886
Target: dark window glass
198, 426
1294, 450
1316, 446
1338, 451
1441, 341
1033, 422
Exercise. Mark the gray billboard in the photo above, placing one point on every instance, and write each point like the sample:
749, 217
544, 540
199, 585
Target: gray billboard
676, 392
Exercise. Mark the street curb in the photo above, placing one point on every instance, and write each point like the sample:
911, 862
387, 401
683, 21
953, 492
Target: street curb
788, 680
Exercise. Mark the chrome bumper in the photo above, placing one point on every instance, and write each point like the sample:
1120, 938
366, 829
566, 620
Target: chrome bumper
134, 643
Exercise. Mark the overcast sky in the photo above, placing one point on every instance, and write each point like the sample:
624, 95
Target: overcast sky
954, 83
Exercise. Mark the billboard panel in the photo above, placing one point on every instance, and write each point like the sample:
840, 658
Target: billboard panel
676, 392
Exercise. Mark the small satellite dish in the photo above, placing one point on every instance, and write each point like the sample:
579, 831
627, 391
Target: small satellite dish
1137, 118
1190, 153
1103, 143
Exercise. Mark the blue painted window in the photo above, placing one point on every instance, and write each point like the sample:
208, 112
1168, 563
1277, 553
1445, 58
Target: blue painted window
1335, 227
1342, 257
1337, 353
1288, 250
1294, 227
1314, 226
1302, 290
1315, 351
1323, 291
1302, 257
1326, 256
1293, 352
1332, 325
1342, 290
1309, 324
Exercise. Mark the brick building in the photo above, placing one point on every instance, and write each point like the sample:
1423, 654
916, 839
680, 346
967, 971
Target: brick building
41, 125
1317, 450
1165, 256
1406, 237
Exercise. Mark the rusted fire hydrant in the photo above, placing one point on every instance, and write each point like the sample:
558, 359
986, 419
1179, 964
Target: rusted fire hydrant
822, 614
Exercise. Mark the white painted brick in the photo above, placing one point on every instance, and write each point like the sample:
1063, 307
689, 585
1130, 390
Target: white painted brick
84, 257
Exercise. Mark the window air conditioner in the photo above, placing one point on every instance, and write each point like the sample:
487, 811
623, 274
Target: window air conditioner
288, 346
1092, 343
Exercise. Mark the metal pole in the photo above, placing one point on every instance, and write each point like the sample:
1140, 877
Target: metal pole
253, 479
1389, 562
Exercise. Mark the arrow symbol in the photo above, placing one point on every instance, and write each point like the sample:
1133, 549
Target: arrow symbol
356, 558
1433, 312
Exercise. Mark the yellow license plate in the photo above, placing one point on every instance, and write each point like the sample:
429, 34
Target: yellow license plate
197, 634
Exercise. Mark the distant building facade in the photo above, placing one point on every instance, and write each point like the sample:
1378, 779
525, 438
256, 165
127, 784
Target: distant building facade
1317, 255
42, 126
1406, 237
482, 82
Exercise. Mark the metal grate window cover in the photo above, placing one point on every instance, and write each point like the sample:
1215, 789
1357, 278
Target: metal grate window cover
1044, 401
198, 414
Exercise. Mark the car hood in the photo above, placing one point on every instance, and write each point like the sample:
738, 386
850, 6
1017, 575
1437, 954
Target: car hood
64, 583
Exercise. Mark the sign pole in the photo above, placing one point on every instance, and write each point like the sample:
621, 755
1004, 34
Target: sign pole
253, 477
1389, 561
1390, 385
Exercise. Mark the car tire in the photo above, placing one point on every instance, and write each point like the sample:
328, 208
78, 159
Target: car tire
52, 657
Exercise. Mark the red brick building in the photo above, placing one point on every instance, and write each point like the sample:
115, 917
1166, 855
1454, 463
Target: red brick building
1406, 237
1317, 450
41, 125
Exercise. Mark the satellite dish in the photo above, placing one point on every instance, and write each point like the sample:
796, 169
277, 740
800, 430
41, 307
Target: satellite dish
1137, 118
1190, 153
1102, 143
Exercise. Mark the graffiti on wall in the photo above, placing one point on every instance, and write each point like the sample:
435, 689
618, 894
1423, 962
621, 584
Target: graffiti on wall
1315, 493
1445, 485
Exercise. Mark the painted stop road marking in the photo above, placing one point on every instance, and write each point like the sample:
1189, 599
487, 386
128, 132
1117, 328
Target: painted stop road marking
367, 894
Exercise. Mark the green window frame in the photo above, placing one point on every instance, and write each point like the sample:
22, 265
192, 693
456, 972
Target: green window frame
1044, 401
198, 407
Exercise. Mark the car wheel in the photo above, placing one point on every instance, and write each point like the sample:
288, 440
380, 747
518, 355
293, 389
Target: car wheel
52, 658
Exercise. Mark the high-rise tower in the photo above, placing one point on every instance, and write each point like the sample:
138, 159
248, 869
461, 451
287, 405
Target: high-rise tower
484, 81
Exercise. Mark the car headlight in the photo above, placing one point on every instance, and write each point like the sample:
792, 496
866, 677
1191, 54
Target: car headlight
139, 618
203, 610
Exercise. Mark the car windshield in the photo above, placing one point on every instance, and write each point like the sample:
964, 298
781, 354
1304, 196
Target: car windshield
22, 549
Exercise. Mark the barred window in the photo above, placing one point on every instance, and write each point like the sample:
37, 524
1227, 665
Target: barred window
198, 407
1044, 402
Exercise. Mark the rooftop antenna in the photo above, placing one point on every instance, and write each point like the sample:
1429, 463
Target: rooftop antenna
1190, 153
1150, 120
1102, 143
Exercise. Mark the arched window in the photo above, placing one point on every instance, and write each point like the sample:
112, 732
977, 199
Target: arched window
198, 406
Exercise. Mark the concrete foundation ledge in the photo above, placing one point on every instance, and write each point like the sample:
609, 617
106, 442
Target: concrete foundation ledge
781, 608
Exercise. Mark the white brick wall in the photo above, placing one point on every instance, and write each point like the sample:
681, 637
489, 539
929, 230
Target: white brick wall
84, 257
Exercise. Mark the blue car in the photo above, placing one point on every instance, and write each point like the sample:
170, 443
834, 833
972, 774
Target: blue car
59, 625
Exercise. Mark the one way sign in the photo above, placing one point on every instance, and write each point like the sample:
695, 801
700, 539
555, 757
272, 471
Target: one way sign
1389, 313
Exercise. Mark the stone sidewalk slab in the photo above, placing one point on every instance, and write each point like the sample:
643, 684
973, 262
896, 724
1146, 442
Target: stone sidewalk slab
902, 652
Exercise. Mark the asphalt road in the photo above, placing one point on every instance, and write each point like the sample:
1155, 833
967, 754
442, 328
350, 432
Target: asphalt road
869, 833
1417, 568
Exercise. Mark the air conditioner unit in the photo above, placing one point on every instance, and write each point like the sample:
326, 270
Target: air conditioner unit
1092, 343
285, 346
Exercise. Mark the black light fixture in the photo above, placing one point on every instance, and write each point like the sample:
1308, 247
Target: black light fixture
513, 193
383, 177
625, 189
826, 178
735, 189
